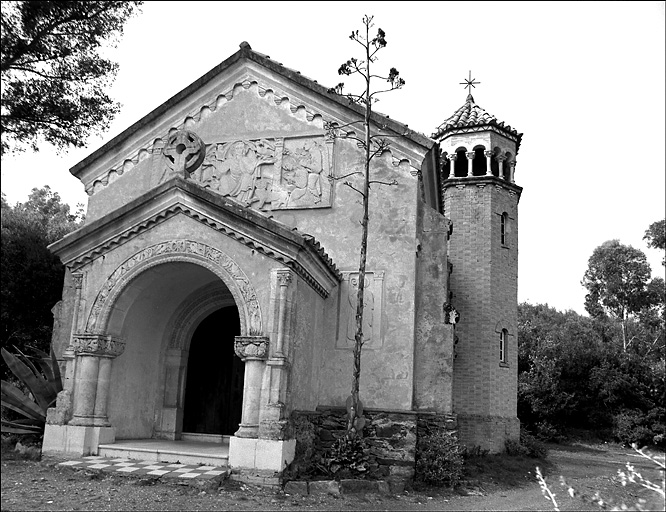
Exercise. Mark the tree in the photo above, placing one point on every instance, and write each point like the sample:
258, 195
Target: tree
617, 280
31, 278
656, 236
373, 145
53, 79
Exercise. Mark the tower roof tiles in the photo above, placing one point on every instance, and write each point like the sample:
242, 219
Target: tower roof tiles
471, 115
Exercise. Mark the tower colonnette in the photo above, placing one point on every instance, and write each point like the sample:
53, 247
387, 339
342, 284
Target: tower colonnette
480, 197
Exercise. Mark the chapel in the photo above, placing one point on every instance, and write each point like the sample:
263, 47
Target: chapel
210, 296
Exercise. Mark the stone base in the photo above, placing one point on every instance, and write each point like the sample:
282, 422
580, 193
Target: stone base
261, 454
76, 440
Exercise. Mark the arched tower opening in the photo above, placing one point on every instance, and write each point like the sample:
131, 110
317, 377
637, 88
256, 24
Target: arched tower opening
479, 164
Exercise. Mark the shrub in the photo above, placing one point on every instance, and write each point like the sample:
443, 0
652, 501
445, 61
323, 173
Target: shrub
514, 448
528, 446
303, 464
636, 427
439, 458
535, 448
547, 432
347, 457
43, 383
474, 452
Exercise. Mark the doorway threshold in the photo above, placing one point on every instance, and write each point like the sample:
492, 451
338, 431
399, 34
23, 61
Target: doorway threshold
175, 452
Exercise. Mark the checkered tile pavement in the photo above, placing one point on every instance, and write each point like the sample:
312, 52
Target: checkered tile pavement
137, 467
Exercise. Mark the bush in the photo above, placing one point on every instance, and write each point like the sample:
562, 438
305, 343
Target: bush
439, 458
514, 448
547, 432
635, 427
528, 446
347, 457
303, 464
535, 448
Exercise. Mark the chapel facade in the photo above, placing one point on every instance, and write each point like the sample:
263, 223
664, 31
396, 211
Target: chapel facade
211, 291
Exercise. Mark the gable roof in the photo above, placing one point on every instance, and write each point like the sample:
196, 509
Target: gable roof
298, 251
471, 115
246, 52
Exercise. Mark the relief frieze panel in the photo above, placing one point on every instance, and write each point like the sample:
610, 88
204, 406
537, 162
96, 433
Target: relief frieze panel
373, 299
270, 174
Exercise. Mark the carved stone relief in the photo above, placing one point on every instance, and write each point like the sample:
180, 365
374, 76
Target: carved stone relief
270, 174
372, 310
183, 153
251, 347
98, 345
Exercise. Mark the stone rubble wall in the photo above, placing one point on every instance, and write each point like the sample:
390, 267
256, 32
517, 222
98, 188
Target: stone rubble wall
391, 436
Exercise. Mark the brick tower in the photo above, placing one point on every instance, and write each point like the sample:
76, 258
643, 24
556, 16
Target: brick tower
481, 200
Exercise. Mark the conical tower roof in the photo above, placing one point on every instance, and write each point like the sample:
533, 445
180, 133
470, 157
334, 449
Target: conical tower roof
470, 115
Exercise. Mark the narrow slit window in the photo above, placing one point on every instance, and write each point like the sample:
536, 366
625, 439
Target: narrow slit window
502, 346
504, 220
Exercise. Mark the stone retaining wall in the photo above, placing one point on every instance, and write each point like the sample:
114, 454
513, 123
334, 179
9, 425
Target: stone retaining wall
391, 437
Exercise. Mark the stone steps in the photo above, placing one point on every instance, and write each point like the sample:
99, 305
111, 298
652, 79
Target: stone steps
156, 450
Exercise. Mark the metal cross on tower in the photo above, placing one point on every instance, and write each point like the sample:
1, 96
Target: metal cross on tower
469, 83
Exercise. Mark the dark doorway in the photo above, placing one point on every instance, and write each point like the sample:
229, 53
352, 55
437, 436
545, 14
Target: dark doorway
214, 390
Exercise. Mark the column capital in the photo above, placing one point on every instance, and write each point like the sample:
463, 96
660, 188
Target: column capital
500, 158
101, 345
284, 277
470, 155
78, 280
251, 347
488, 153
453, 157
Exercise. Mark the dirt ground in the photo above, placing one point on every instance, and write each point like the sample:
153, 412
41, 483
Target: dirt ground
42, 485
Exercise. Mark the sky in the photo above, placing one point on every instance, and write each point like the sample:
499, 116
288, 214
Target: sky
583, 81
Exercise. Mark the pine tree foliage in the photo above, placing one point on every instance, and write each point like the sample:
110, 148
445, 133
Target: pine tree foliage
54, 79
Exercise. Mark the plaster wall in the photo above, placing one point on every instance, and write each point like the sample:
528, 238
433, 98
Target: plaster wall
307, 321
387, 370
433, 338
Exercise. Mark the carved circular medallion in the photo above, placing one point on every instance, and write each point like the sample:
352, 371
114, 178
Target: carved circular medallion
184, 151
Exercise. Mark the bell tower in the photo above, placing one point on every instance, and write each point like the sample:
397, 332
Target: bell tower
480, 197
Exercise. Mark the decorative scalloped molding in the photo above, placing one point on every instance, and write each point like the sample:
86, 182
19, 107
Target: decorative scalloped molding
296, 106
252, 243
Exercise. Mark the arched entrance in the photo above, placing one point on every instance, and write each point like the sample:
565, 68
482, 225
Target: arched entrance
214, 383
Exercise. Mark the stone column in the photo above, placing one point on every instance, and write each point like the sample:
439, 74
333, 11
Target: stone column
512, 170
470, 163
489, 170
500, 161
452, 169
93, 370
253, 351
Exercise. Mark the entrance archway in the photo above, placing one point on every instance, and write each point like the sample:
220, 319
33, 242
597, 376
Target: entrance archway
214, 383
